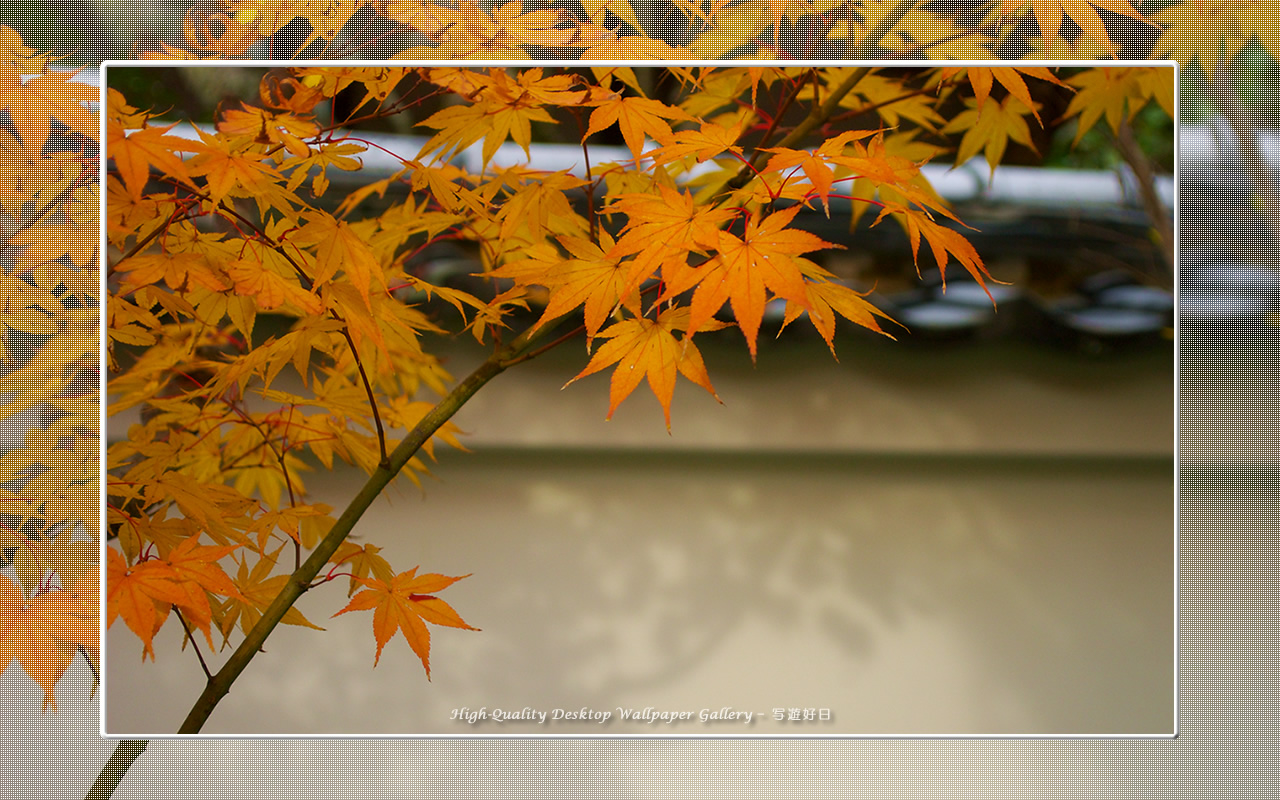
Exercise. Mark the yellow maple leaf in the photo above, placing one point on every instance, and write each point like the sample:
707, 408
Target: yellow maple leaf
1049, 13
648, 350
990, 128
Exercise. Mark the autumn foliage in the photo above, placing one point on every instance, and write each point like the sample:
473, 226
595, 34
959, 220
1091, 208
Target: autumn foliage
258, 327
692, 230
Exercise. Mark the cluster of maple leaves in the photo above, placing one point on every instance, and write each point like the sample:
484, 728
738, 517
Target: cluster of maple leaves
49, 476
207, 233
612, 30
202, 464
1206, 31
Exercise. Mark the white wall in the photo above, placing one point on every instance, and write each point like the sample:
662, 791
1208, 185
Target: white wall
966, 540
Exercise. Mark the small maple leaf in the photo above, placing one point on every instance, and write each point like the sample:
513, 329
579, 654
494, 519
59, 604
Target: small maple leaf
47, 97
826, 299
197, 574
990, 129
256, 591
361, 562
133, 593
644, 349
815, 164
135, 154
636, 117
340, 245
270, 290
404, 603
1114, 94
226, 170
282, 129
945, 243
668, 219
982, 79
707, 141
180, 271
590, 279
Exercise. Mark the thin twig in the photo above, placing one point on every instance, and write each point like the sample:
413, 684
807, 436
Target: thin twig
308, 283
194, 645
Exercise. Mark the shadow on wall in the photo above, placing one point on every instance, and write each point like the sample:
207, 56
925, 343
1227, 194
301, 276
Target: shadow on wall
917, 595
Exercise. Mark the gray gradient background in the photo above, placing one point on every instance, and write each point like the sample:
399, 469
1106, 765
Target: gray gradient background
1227, 746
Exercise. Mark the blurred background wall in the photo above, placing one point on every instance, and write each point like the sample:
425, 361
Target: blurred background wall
969, 537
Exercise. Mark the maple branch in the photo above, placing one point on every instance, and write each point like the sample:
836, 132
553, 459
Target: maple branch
61, 197
818, 115
517, 357
868, 46
786, 106
531, 354
345, 330
991, 29
146, 240
88, 662
586, 166
1161, 221
126, 752
368, 390
194, 644
1222, 90
300, 581
882, 104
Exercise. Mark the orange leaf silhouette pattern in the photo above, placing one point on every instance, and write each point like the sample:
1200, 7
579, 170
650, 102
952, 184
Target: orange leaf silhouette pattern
42, 634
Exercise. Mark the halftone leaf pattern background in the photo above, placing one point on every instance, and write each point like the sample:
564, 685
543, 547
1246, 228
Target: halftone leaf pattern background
1227, 511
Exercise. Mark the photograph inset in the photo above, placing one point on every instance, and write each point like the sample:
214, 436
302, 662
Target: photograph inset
803, 400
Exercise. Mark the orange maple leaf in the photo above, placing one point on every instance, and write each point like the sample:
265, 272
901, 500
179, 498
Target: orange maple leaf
590, 279
34, 104
661, 230
943, 241
226, 170
707, 141
282, 129
644, 349
744, 268
404, 603
134, 591
198, 575
636, 117
42, 634
182, 271
982, 79
134, 154
815, 164
257, 280
341, 246
669, 219
826, 299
